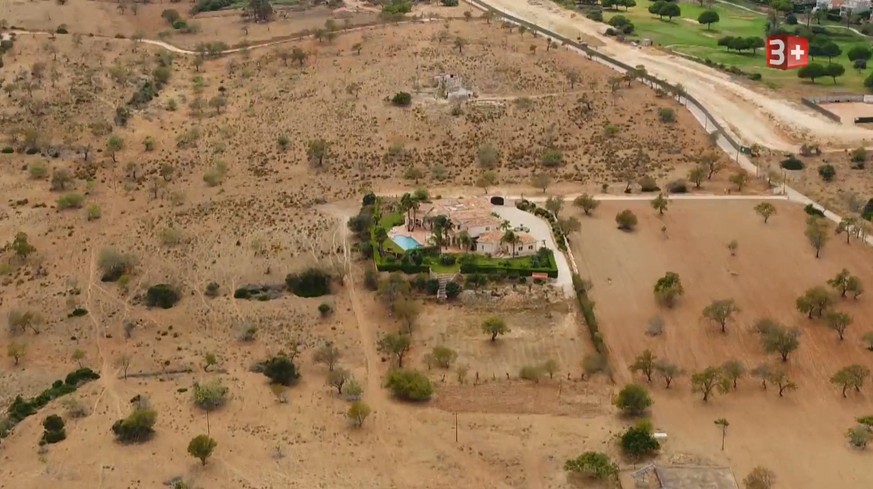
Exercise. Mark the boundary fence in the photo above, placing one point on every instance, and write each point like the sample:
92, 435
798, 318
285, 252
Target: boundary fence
814, 105
676, 91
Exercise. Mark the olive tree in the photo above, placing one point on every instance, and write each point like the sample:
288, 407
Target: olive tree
851, 377
760, 478
721, 312
495, 326
644, 363
765, 210
838, 321
733, 370
327, 354
396, 345
814, 302
846, 283
781, 340
668, 288
201, 447
633, 400
668, 371
706, 381
817, 233
586, 202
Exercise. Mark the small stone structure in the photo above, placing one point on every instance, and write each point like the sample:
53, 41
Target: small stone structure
451, 86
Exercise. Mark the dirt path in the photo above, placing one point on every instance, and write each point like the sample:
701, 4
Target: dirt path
755, 117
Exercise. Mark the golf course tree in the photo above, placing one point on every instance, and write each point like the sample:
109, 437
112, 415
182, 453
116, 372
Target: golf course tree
668, 288
811, 72
834, 70
667, 9
708, 17
740, 44
825, 48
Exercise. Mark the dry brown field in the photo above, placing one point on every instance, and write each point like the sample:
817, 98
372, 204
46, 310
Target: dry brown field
799, 436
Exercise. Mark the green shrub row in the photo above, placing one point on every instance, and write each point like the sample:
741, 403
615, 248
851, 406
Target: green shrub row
21, 409
587, 306
508, 270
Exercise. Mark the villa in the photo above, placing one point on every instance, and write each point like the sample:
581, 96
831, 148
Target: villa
472, 216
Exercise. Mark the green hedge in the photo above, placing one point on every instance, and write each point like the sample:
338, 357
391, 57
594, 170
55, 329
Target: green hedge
587, 306
20, 408
496, 268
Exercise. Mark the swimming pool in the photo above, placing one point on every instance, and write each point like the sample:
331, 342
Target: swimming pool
406, 242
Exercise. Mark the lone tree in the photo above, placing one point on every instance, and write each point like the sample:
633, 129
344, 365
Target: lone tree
626, 220
817, 233
201, 447
317, 150
721, 312
846, 283
328, 354
760, 478
660, 203
633, 400
708, 17
851, 377
815, 302
644, 363
668, 288
781, 340
586, 203
394, 344
495, 326
594, 465
765, 210
707, 380
357, 413
338, 378
21, 246
697, 175
838, 321
668, 371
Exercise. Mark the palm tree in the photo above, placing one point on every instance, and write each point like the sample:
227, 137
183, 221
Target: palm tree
406, 206
465, 240
440, 229
380, 236
510, 238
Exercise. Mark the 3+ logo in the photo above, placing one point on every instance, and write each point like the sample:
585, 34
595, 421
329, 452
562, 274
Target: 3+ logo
786, 52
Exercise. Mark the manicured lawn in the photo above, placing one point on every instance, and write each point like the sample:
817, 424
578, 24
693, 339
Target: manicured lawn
685, 35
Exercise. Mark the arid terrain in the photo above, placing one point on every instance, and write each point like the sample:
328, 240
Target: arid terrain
228, 170
799, 436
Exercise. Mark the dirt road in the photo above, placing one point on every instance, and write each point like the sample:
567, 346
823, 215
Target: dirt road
755, 117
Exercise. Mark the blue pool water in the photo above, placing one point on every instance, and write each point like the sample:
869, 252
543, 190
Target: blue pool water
406, 242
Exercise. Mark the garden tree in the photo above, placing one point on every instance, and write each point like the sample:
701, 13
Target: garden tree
337, 379
299, 56
851, 377
740, 178
554, 205
760, 478
780, 379
859, 52
846, 225
201, 447
668, 288
541, 181
733, 370
281, 370
765, 210
817, 233
16, 350
21, 246
327, 354
380, 235
317, 150
460, 42
708, 17
814, 302
638, 442
859, 436
838, 321
495, 326
845, 283
721, 312
633, 400
707, 380
569, 225
586, 202
696, 175
668, 371
396, 345
409, 385
487, 179
407, 311
811, 71
488, 156
357, 413
834, 70
660, 203
670, 10
626, 220
594, 465
113, 145
781, 340
644, 363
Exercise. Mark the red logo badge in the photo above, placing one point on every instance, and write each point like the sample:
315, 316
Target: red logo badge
786, 52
